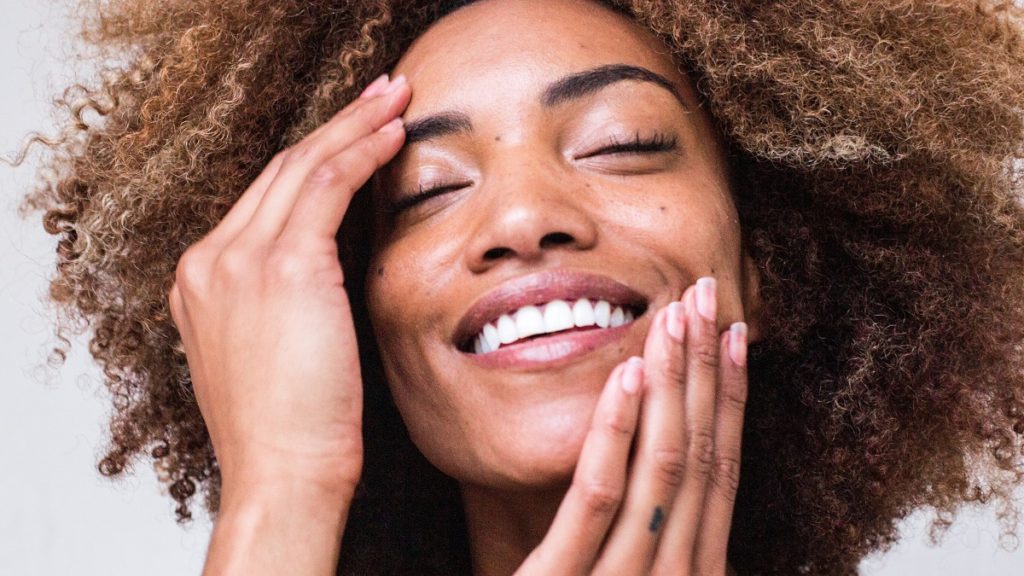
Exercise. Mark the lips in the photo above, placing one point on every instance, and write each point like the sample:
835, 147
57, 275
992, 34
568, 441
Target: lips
539, 289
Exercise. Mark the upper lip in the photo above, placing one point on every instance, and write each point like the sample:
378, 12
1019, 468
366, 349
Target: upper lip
540, 288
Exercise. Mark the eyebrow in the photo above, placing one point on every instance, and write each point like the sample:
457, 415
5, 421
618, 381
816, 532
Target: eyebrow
571, 87
580, 84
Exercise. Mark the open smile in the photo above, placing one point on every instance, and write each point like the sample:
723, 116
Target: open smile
547, 317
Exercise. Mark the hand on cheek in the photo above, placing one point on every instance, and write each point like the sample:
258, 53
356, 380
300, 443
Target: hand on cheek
668, 509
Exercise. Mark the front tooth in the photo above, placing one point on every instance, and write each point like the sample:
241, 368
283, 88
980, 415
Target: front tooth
557, 316
478, 345
602, 313
529, 321
583, 313
618, 317
491, 339
507, 332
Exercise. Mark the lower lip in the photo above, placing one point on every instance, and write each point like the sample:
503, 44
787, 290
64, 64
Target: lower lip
550, 351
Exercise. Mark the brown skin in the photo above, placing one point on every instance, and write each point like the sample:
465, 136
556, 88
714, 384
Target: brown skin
867, 145
269, 274
507, 433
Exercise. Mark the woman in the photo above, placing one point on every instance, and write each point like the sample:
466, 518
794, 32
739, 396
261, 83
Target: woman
840, 179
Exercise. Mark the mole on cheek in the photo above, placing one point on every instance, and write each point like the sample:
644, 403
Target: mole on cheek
380, 271
497, 138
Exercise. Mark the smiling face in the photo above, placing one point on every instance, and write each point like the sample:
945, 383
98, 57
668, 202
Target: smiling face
566, 170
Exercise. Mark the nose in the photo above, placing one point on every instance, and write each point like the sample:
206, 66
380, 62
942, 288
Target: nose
529, 219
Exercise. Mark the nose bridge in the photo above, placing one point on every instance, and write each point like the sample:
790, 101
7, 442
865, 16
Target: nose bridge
528, 209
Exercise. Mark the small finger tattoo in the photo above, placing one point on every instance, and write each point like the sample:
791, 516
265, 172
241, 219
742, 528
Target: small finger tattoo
657, 518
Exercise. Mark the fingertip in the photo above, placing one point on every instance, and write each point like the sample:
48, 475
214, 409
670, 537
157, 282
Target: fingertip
676, 321
395, 125
375, 87
396, 84
738, 343
632, 376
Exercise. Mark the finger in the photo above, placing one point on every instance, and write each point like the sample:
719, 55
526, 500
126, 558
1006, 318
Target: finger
713, 536
240, 214
659, 463
376, 87
582, 521
306, 157
676, 549
328, 191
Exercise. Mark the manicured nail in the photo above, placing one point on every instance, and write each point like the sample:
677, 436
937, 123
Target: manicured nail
706, 298
394, 126
738, 343
676, 321
633, 375
397, 83
375, 87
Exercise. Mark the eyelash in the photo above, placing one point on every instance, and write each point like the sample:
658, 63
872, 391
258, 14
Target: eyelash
659, 142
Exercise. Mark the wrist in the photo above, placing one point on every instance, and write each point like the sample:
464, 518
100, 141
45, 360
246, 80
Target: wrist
278, 527
302, 494
324, 480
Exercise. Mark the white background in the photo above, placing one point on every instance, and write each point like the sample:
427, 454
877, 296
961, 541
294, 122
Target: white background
57, 514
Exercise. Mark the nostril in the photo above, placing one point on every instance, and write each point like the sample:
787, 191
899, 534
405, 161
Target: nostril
555, 239
496, 253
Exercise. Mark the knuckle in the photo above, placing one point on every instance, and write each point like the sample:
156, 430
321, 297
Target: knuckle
670, 464
726, 476
298, 154
234, 264
618, 425
326, 174
706, 353
174, 305
190, 273
601, 498
734, 396
284, 266
675, 370
702, 451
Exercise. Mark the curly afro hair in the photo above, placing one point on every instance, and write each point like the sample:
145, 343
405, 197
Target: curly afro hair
876, 154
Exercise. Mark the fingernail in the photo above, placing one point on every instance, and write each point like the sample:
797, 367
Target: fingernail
395, 84
706, 298
738, 343
676, 321
394, 126
374, 87
632, 376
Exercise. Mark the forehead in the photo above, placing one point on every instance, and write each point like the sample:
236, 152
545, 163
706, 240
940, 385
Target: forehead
515, 45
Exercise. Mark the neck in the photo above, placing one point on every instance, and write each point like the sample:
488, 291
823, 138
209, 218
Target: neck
504, 527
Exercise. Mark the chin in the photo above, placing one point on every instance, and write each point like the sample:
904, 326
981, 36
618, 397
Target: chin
544, 452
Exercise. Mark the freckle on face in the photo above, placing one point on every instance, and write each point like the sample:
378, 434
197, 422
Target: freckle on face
532, 171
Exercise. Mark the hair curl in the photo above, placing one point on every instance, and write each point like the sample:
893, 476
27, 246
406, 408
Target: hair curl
876, 153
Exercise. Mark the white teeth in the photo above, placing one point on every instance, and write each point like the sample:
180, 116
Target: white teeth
602, 313
618, 317
491, 339
556, 316
583, 313
529, 321
507, 329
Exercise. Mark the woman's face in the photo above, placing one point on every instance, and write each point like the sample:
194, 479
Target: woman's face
569, 160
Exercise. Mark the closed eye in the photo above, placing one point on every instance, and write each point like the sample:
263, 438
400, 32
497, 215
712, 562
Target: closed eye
659, 142
423, 193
